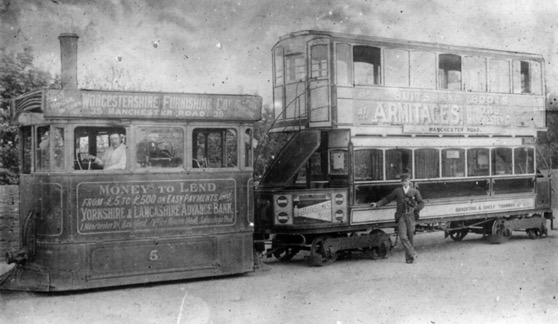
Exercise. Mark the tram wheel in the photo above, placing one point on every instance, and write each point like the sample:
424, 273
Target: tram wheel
500, 232
458, 235
286, 253
534, 233
320, 253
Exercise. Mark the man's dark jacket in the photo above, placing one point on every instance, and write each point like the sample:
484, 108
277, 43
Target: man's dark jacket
404, 201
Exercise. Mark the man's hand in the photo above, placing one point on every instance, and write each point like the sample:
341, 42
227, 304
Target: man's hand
373, 205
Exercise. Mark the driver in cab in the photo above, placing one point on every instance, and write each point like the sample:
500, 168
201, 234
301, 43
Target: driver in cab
115, 156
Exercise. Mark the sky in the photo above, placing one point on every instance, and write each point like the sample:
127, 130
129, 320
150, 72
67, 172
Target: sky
225, 46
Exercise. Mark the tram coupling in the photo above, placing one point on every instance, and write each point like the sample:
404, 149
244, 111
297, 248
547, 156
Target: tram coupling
20, 257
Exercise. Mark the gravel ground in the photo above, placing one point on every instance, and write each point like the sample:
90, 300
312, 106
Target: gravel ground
452, 282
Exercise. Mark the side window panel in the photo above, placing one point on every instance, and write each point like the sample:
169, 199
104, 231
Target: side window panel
502, 161
527, 77
100, 148
524, 160
214, 148
366, 65
398, 161
396, 63
453, 163
369, 164
159, 147
26, 143
250, 144
499, 76
42, 151
295, 68
474, 70
279, 76
423, 70
449, 72
427, 164
344, 64
478, 162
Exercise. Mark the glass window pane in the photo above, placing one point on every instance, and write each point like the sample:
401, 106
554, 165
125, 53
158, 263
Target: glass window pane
250, 144
524, 158
474, 70
453, 163
536, 78
499, 76
522, 76
278, 103
42, 155
502, 161
296, 69
369, 164
396, 63
159, 147
279, 80
214, 148
58, 145
398, 161
449, 72
344, 67
478, 162
26, 140
427, 164
448, 189
511, 186
100, 148
423, 70
366, 65
366, 194
319, 61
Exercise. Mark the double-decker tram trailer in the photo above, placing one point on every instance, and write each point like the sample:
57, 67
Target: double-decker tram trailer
363, 110
131, 187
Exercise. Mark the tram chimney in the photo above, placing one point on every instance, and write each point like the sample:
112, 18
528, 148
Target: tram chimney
68, 60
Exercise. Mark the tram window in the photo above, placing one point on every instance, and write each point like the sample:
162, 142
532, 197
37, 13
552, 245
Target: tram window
366, 65
396, 62
369, 164
344, 67
398, 161
295, 69
512, 186
319, 61
250, 143
279, 78
99, 148
449, 72
524, 158
338, 162
478, 162
474, 70
215, 148
27, 147
453, 163
427, 163
42, 155
527, 77
365, 194
448, 189
159, 147
423, 70
502, 161
499, 76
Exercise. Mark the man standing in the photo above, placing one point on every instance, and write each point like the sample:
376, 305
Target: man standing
409, 202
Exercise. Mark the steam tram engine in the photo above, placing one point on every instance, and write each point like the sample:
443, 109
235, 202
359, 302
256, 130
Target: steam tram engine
359, 111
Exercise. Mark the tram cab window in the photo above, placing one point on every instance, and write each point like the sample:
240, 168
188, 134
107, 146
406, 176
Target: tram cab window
100, 148
478, 162
159, 147
449, 72
502, 161
398, 161
250, 144
26, 144
344, 64
215, 148
319, 61
367, 65
527, 77
499, 76
49, 152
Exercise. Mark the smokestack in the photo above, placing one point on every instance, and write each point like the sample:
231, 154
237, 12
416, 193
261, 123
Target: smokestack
68, 60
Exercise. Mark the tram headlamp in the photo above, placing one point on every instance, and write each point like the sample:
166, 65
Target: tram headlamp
282, 217
339, 215
282, 201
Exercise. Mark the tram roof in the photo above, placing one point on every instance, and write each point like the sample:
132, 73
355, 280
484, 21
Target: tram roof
104, 104
384, 41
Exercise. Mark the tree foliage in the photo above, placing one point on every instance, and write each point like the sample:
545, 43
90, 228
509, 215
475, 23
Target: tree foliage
18, 75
